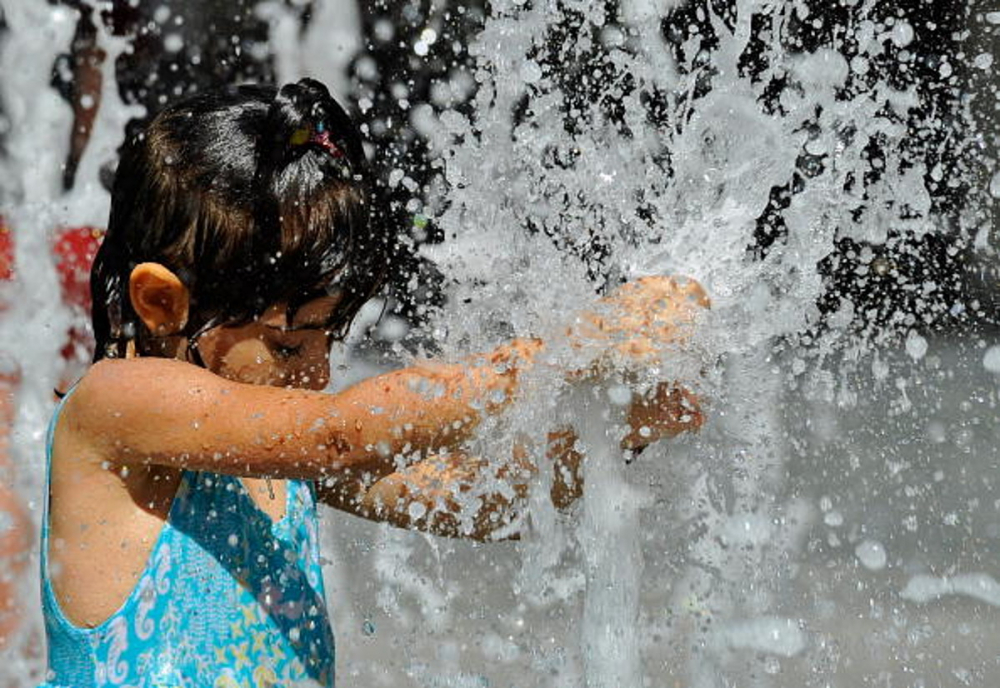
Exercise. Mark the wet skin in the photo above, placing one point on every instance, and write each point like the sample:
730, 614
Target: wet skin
90, 501
133, 425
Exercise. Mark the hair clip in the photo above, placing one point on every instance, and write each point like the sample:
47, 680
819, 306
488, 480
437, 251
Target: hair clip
322, 138
318, 135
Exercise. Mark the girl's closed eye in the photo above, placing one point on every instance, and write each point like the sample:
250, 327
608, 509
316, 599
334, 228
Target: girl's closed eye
285, 346
287, 351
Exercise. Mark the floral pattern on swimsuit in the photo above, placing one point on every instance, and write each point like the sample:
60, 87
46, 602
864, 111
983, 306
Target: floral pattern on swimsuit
229, 598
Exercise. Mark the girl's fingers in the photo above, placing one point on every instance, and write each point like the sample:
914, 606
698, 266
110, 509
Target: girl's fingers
665, 412
636, 322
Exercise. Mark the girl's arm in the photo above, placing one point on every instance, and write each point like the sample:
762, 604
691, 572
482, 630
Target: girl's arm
160, 411
459, 495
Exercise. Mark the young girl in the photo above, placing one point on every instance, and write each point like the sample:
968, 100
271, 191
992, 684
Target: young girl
179, 543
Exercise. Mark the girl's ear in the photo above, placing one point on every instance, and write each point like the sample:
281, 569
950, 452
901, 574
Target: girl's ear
159, 298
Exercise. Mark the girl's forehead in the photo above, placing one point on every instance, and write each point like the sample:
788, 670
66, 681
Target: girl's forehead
313, 314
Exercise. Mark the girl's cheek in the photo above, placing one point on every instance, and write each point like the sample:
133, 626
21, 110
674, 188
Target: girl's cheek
249, 361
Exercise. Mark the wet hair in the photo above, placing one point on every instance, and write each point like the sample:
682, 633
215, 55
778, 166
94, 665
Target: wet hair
252, 196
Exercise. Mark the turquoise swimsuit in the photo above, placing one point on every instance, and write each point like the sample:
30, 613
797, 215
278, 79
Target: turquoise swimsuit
228, 598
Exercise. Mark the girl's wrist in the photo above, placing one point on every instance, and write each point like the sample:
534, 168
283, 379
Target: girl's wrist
507, 362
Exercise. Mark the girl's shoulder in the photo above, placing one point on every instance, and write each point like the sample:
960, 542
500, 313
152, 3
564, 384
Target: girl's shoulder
161, 373
129, 385
116, 397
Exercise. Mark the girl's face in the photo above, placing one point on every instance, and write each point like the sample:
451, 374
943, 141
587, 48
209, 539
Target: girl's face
272, 351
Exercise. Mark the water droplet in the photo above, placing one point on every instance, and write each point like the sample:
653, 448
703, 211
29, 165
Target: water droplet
619, 395
871, 554
995, 185
173, 43
834, 519
531, 72
428, 36
902, 34
916, 346
991, 359
416, 510
384, 30
368, 628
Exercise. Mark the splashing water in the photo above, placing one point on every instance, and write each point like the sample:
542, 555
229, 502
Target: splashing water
596, 153
612, 556
634, 163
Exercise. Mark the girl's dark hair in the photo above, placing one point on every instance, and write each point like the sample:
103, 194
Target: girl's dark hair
251, 196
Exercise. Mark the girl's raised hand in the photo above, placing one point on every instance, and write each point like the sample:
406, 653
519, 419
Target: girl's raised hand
630, 330
639, 320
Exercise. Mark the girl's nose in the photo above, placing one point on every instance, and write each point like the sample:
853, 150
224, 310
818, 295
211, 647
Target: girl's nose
313, 371
319, 376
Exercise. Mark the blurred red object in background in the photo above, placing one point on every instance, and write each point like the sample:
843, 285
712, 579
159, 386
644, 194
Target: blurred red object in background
6, 252
74, 251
